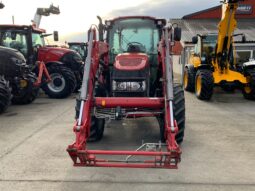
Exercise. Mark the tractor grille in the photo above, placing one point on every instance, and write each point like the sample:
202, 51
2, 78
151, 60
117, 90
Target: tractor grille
130, 62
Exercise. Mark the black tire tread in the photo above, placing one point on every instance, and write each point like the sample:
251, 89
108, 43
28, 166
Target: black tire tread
179, 114
207, 84
251, 95
189, 69
96, 129
97, 125
31, 92
5, 94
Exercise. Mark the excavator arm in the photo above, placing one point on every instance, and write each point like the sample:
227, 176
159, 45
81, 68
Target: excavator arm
226, 27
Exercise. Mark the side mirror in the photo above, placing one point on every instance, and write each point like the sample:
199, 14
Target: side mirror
194, 40
177, 34
55, 35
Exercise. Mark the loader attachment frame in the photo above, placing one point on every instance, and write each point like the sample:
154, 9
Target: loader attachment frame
154, 155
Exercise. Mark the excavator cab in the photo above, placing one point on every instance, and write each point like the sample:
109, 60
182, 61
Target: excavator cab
204, 47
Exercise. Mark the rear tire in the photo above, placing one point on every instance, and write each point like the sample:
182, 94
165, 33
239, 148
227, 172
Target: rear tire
179, 115
63, 82
249, 91
5, 94
204, 84
28, 94
189, 78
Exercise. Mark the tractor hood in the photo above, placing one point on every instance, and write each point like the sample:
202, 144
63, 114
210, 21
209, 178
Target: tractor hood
131, 61
49, 54
12, 53
12, 62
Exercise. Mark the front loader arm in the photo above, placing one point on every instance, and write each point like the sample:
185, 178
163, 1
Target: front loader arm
82, 126
44, 12
171, 127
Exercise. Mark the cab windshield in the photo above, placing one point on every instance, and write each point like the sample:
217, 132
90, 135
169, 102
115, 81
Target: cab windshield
209, 43
78, 48
37, 40
140, 32
16, 40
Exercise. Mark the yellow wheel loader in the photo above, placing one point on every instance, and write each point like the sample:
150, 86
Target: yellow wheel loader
213, 64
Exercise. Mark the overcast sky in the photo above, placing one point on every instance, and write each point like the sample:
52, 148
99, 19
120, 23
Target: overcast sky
77, 15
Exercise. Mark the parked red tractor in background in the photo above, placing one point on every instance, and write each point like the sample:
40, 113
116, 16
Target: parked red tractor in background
80, 47
59, 69
129, 75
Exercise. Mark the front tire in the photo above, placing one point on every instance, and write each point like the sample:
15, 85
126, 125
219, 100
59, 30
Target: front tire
179, 115
204, 84
189, 78
5, 94
63, 82
97, 124
96, 129
27, 94
249, 90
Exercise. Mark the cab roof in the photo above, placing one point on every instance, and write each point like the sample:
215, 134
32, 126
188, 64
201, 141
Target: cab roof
138, 17
21, 27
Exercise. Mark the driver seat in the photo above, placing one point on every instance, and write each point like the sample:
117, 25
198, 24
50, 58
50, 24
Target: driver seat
133, 49
16, 45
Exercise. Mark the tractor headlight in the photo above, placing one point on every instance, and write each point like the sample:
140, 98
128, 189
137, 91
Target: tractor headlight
129, 86
114, 85
134, 86
143, 85
122, 86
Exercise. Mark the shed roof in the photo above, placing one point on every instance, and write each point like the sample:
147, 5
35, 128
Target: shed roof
192, 27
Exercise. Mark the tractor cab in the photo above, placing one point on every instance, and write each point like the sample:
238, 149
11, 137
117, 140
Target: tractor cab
61, 67
133, 53
79, 47
25, 39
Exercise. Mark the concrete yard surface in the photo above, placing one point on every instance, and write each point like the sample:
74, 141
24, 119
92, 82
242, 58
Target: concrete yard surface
218, 150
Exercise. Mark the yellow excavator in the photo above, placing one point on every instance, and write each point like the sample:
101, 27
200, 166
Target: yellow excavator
213, 62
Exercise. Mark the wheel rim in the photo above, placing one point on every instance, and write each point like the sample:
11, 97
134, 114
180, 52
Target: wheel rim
57, 83
198, 85
247, 89
185, 79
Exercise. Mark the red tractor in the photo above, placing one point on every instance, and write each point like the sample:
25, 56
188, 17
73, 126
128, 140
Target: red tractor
64, 66
129, 75
80, 47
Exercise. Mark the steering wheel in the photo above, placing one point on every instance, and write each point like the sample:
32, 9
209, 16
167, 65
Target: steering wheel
37, 46
135, 47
